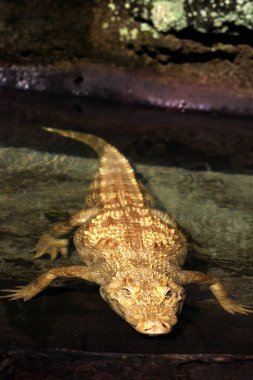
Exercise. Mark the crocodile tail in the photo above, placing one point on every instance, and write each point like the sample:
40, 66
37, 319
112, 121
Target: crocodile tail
94, 142
116, 184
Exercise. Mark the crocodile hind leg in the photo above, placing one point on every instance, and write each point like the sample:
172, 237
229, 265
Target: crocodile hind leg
164, 217
50, 242
148, 199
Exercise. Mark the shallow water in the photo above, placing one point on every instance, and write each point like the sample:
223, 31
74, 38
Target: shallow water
207, 190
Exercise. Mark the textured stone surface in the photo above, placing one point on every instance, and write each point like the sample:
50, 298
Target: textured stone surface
43, 31
214, 208
212, 16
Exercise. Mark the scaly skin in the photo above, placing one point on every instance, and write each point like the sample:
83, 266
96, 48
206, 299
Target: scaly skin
134, 252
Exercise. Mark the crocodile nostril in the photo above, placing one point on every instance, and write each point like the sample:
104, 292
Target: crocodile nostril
157, 328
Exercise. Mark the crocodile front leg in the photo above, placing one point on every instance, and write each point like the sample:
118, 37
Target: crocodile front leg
216, 287
29, 291
49, 242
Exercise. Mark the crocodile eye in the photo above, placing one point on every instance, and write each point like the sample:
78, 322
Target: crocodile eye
168, 293
127, 292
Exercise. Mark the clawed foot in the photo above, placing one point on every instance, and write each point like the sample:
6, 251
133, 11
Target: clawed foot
233, 307
52, 246
21, 292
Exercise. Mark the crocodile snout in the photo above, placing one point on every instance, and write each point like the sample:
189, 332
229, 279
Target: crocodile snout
153, 328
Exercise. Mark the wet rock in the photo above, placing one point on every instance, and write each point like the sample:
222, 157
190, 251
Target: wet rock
203, 16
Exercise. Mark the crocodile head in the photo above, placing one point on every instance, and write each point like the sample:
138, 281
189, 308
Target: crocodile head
149, 302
